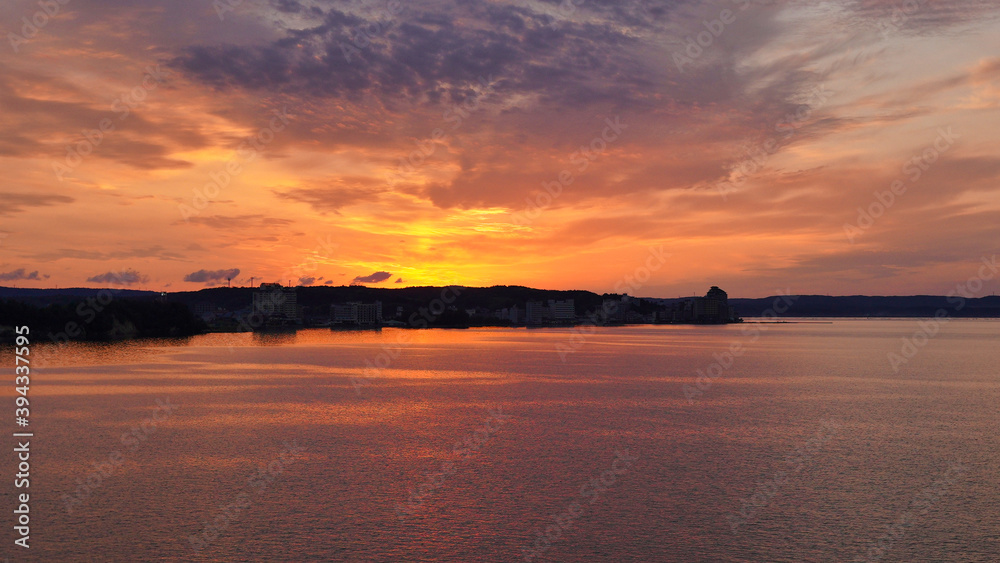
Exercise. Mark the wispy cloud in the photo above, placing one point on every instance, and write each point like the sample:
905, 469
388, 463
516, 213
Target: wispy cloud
21, 274
495, 101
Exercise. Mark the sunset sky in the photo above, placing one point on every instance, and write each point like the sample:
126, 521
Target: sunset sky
399, 144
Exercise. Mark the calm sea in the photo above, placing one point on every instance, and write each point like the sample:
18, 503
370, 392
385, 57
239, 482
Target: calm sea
809, 443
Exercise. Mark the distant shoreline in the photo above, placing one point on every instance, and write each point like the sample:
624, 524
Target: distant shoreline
8, 339
108, 315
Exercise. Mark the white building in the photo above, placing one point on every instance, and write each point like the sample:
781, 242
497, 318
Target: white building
356, 313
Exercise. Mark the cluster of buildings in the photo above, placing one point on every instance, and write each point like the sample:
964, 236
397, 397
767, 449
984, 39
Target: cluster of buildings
713, 308
272, 305
275, 305
514, 315
624, 310
534, 313
552, 312
279, 307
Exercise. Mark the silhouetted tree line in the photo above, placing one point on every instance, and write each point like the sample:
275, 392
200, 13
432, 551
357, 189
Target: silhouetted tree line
93, 319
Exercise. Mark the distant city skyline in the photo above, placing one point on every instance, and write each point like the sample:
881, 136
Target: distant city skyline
834, 149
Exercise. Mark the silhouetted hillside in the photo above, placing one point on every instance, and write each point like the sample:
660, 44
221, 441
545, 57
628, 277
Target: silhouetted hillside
106, 314
70, 294
95, 319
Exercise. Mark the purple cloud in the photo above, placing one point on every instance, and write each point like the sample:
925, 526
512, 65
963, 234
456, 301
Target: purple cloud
377, 277
124, 277
19, 274
212, 276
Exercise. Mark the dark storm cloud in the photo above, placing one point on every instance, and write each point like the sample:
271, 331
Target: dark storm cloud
429, 52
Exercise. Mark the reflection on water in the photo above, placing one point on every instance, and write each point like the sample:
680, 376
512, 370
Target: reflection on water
806, 446
274, 337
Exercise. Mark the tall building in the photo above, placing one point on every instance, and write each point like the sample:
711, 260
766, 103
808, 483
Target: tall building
713, 308
274, 301
716, 306
534, 312
717, 294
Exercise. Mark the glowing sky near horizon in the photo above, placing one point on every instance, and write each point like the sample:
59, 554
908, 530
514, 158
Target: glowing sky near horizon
418, 141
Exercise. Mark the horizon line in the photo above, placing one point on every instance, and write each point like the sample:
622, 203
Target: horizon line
463, 286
